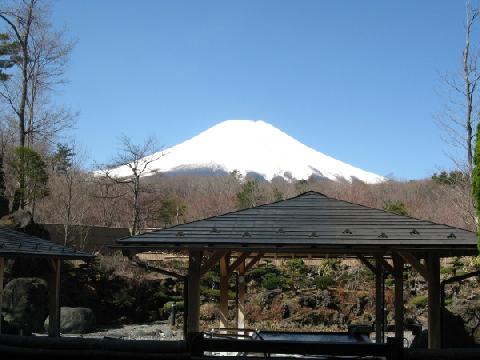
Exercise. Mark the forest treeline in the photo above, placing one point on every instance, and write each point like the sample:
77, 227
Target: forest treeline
172, 199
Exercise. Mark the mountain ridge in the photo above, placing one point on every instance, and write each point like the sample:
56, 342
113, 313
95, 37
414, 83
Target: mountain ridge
251, 146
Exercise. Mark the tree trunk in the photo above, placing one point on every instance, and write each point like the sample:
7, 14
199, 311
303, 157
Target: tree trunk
22, 104
136, 192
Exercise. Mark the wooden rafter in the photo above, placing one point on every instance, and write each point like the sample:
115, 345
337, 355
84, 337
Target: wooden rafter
415, 262
253, 261
367, 263
389, 268
238, 261
212, 261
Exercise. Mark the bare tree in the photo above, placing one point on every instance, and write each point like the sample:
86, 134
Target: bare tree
131, 164
461, 112
106, 198
71, 190
40, 61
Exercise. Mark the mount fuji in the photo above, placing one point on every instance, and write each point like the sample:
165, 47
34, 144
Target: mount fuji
250, 147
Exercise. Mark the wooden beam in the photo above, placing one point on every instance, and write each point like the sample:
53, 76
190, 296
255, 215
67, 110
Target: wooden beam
399, 307
387, 267
2, 271
434, 313
253, 261
193, 298
212, 261
238, 261
54, 299
242, 287
224, 264
367, 263
416, 264
379, 300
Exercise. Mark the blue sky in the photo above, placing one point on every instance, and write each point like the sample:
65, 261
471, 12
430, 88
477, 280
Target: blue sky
357, 80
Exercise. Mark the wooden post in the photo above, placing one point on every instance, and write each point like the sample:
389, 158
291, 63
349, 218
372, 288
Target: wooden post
379, 300
224, 264
2, 270
399, 308
54, 299
193, 298
434, 313
241, 296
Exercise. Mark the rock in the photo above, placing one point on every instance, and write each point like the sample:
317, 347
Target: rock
359, 307
469, 310
285, 311
22, 220
454, 334
25, 304
308, 301
315, 318
268, 296
326, 300
75, 320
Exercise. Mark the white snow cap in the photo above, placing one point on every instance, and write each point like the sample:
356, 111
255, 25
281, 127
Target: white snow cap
250, 146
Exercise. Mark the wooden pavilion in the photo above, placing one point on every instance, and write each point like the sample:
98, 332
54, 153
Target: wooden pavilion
312, 225
15, 244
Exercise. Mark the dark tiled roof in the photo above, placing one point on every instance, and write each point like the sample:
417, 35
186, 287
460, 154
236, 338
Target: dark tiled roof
17, 243
311, 220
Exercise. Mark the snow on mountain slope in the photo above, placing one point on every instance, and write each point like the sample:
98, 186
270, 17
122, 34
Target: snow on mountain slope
252, 147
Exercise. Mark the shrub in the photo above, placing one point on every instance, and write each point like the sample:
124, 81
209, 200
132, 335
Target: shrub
273, 281
448, 270
167, 308
296, 266
122, 299
260, 272
323, 282
208, 311
420, 301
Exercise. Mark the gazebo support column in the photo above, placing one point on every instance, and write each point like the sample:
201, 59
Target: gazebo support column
193, 303
399, 308
54, 299
224, 264
241, 296
379, 300
2, 270
434, 313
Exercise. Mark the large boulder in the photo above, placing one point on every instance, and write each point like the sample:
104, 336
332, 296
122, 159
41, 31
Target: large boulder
22, 220
454, 334
75, 320
25, 304
469, 310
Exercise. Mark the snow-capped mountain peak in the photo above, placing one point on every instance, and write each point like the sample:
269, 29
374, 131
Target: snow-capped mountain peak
250, 146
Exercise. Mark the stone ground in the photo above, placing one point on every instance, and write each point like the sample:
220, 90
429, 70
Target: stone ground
159, 330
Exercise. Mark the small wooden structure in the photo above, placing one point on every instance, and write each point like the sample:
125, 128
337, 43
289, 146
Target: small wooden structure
14, 244
312, 225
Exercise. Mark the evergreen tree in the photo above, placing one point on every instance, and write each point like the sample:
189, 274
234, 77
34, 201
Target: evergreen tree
30, 164
250, 194
62, 159
8, 55
395, 207
450, 178
171, 210
8, 50
4, 203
